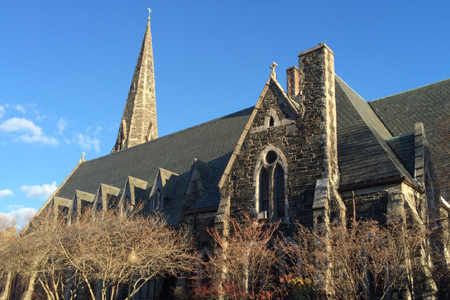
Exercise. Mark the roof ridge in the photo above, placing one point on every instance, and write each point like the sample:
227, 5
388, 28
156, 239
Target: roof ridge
361, 109
171, 134
350, 87
414, 89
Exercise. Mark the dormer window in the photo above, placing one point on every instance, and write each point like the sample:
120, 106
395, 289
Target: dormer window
127, 205
271, 122
158, 200
73, 217
99, 207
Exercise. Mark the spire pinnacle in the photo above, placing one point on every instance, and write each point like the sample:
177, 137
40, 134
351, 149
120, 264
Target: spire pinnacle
139, 124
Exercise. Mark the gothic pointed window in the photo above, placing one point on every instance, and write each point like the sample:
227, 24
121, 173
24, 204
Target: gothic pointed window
73, 218
128, 206
264, 191
99, 201
158, 200
279, 191
271, 195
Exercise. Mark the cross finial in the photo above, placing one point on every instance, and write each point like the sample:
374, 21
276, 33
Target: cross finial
273, 66
82, 156
149, 12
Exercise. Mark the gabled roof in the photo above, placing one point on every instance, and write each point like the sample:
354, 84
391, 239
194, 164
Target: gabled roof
367, 152
363, 154
209, 142
430, 105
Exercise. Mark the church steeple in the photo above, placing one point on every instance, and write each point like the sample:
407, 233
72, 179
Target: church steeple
139, 123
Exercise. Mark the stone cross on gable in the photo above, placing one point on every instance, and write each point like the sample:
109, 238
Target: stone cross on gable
82, 156
273, 66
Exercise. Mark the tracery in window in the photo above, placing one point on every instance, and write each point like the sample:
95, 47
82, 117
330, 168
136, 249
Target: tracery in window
270, 192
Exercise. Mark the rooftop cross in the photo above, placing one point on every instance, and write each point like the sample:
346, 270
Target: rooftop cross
273, 67
149, 12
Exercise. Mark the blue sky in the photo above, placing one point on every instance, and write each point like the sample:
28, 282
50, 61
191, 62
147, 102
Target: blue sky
66, 68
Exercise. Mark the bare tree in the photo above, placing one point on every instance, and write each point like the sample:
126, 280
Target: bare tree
45, 265
8, 240
116, 250
244, 264
365, 259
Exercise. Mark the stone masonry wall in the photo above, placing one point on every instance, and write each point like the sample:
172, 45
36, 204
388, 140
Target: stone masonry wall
367, 206
308, 143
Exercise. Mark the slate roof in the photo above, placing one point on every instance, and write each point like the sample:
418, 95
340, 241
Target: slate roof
363, 154
403, 147
367, 150
211, 142
430, 105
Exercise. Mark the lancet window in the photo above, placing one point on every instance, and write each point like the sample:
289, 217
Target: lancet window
270, 195
158, 200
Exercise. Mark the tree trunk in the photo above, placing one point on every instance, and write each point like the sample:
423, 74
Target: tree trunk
7, 291
30, 289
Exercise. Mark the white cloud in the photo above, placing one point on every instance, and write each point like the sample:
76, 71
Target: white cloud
20, 108
39, 139
62, 124
20, 124
21, 216
4, 193
34, 133
86, 142
14, 206
44, 191
2, 111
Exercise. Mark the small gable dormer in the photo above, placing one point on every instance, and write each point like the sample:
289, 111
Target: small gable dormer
132, 194
80, 201
162, 189
198, 182
106, 197
61, 207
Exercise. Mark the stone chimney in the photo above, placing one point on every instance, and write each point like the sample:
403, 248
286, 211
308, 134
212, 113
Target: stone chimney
292, 78
316, 94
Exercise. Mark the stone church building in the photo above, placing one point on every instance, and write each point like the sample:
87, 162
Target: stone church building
314, 152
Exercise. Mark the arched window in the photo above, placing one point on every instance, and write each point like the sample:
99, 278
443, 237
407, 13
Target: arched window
279, 191
264, 194
271, 185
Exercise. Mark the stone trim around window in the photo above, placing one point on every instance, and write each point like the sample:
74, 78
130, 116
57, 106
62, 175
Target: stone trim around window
269, 159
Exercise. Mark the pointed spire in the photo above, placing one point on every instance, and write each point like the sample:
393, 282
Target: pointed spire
139, 123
